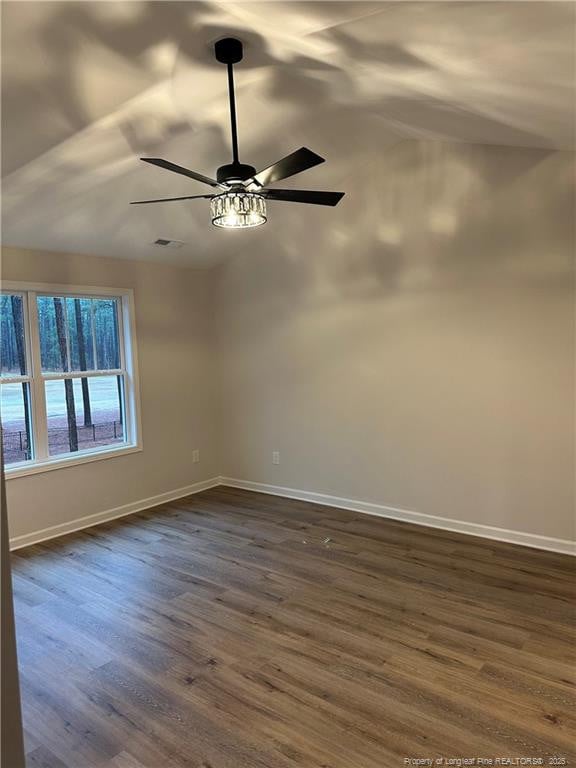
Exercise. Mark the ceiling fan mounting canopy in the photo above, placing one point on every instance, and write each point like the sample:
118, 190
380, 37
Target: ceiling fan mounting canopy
242, 192
229, 50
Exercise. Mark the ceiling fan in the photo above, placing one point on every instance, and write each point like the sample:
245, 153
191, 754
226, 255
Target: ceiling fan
241, 201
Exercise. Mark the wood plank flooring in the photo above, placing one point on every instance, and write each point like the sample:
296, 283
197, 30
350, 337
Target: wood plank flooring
234, 630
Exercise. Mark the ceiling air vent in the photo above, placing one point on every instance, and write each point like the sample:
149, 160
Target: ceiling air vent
163, 243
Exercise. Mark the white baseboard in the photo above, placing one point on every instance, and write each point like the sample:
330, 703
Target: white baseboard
564, 546
111, 514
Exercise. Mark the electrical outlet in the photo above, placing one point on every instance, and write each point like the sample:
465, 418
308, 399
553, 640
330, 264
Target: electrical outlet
275, 457
195, 456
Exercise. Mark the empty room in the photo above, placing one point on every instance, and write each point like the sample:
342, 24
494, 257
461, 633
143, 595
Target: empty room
299, 494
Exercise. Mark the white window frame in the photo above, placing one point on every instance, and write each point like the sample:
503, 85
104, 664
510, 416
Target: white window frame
42, 461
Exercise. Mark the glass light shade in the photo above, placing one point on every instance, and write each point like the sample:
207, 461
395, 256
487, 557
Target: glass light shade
238, 210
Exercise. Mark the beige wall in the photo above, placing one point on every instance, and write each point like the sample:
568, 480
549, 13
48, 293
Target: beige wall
413, 347
174, 326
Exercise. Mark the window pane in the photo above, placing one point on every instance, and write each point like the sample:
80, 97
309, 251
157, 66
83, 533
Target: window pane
106, 330
73, 331
79, 317
12, 347
52, 330
84, 414
16, 422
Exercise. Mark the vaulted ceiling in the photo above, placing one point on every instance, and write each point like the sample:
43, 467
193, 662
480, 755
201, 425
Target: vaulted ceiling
89, 87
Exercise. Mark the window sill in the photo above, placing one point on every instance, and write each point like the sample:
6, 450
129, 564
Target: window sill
68, 460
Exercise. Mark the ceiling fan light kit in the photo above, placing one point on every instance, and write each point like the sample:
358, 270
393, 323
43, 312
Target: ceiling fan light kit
238, 210
241, 200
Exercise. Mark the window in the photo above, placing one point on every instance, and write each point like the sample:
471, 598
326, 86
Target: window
67, 376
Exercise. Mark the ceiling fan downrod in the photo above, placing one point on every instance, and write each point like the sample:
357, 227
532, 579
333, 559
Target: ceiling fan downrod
230, 51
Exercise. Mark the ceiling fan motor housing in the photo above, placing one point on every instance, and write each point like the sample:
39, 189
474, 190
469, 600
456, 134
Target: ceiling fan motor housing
234, 172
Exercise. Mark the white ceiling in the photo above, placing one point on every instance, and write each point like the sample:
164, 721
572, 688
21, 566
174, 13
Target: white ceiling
89, 87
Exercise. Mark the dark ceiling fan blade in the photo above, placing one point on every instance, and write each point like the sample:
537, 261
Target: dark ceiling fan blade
170, 199
310, 196
167, 165
290, 165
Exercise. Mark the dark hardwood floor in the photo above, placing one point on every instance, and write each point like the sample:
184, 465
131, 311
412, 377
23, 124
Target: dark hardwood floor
234, 629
